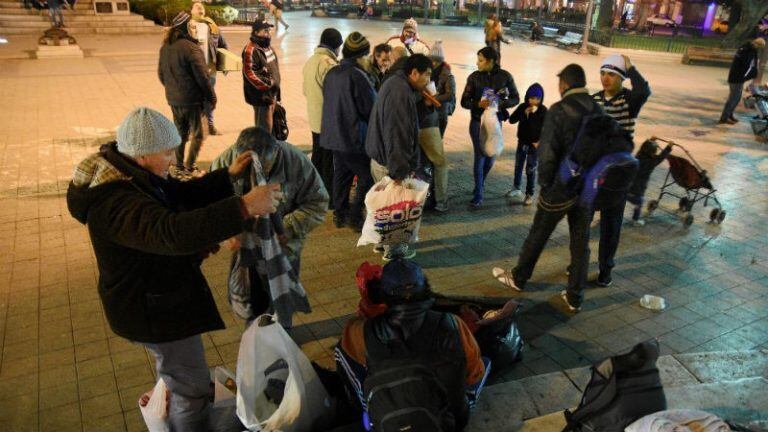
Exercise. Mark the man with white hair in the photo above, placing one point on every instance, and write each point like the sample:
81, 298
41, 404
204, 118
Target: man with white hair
409, 39
150, 234
624, 105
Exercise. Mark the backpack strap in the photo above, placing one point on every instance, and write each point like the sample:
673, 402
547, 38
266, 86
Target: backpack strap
594, 176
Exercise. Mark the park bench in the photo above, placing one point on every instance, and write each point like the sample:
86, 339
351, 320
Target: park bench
458, 20
522, 30
570, 39
708, 54
336, 12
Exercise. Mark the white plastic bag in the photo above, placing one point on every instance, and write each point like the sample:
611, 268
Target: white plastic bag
223, 417
679, 421
491, 138
268, 356
155, 413
394, 212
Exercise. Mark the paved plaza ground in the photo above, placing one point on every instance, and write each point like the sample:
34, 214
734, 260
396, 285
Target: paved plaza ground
62, 369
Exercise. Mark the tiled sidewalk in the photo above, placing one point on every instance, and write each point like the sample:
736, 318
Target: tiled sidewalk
62, 369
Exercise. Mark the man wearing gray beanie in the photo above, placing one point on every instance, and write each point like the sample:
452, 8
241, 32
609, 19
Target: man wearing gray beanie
150, 234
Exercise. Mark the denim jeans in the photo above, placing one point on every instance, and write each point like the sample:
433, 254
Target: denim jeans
482, 164
637, 201
544, 223
733, 100
182, 366
526, 156
189, 123
611, 219
345, 167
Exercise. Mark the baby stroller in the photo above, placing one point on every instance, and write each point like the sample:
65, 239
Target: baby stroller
688, 174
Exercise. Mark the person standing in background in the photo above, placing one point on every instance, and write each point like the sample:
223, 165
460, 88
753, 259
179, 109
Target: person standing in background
210, 39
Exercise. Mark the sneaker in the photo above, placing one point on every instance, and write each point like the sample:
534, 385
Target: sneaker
514, 193
507, 278
572, 308
528, 200
212, 130
339, 220
475, 204
604, 280
639, 222
378, 249
441, 207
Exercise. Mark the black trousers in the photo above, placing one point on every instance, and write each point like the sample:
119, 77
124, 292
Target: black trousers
189, 123
544, 223
322, 159
611, 219
345, 167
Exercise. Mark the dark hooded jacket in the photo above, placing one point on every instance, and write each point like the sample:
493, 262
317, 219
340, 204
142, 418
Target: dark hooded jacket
744, 66
149, 236
497, 79
183, 72
529, 128
261, 73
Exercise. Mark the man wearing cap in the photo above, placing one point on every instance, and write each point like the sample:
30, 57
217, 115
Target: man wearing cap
184, 74
210, 39
561, 125
392, 141
314, 72
624, 106
150, 234
348, 98
409, 299
261, 75
409, 39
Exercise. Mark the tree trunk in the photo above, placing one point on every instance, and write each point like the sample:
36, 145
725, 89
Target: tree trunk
642, 8
752, 11
605, 20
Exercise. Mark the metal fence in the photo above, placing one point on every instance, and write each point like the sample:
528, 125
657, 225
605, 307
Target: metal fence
669, 44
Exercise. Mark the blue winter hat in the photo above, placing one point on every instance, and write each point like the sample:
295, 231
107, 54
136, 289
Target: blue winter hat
402, 278
535, 90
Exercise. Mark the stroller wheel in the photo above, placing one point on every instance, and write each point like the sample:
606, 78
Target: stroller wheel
685, 204
688, 220
713, 215
652, 205
721, 216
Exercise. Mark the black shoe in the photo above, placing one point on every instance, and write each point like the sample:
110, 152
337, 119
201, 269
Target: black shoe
212, 130
339, 221
604, 279
356, 224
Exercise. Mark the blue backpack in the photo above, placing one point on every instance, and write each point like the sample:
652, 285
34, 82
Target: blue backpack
599, 160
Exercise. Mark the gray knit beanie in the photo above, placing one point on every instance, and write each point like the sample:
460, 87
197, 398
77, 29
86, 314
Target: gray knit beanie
145, 131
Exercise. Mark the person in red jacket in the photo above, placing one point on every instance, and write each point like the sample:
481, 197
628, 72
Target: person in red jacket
261, 75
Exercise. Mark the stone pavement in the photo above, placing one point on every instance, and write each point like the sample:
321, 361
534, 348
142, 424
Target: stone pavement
62, 369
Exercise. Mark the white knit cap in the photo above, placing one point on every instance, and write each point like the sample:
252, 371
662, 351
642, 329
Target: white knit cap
411, 23
615, 64
145, 131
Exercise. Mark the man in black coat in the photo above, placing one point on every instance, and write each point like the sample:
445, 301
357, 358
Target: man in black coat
743, 69
183, 72
348, 98
150, 234
561, 125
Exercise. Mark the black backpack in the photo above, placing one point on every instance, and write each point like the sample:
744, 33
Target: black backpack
622, 389
279, 123
412, 385
599, 160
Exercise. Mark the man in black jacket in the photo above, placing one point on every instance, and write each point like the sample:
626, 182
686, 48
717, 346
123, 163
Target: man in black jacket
348, 98
392, 141
561, 125
489, 75
743, 69
624, 106
150, 234
261, 75
183, 72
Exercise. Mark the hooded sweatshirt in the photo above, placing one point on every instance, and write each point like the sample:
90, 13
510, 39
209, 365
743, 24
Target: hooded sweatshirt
529, 128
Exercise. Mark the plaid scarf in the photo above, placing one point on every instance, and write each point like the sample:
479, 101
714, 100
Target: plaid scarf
261, 251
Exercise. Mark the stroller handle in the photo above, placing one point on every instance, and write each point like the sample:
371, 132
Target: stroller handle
674, 144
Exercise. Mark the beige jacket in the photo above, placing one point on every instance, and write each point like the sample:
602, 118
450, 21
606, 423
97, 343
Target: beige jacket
314, 75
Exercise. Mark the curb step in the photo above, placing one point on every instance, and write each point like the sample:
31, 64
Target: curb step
690, 381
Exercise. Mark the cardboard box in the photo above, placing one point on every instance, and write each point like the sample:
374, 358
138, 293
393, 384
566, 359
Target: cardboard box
228, 61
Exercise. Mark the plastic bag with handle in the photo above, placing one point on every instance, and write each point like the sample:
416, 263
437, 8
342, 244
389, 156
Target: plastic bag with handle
394, 212
277, 387
491, 137
155, 413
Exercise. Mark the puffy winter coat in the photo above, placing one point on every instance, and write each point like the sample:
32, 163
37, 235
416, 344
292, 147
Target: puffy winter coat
314, 73
184, 74
497, 79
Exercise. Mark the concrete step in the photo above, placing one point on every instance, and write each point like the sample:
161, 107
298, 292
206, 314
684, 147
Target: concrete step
18, 5
77, 24
507, 406
67, 18
16, 31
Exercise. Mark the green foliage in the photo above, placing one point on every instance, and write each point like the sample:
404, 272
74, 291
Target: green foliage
163, 11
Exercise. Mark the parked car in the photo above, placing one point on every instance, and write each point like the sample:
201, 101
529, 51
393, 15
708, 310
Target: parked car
661, 20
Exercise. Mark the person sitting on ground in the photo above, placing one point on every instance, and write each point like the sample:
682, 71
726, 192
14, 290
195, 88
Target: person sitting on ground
409, 336
649, 158
530, 118
409, 39
537, 31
